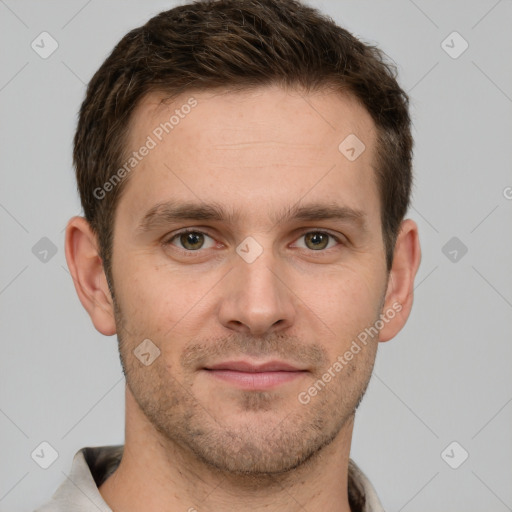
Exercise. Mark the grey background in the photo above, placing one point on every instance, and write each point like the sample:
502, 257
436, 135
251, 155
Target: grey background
446, 377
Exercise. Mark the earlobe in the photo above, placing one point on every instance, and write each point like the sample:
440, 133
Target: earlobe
86, 268
400, 290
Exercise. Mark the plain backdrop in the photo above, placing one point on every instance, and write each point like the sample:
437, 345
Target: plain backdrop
444, 379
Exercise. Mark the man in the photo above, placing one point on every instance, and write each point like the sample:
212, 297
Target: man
244, 168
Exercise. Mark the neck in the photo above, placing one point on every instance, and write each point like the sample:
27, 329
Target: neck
156, 474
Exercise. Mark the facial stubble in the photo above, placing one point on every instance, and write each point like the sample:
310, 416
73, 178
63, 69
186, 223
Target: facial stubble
265, 441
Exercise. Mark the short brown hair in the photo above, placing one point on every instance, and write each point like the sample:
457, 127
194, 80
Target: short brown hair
238, 44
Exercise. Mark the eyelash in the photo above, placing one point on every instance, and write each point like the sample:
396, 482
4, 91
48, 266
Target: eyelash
169, 241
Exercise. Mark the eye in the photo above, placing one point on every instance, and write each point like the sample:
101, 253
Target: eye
191, 240
319, 240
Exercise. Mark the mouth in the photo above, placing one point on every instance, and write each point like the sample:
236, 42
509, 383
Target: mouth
255, 376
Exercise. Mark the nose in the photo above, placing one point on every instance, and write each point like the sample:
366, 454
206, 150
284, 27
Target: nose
257, 299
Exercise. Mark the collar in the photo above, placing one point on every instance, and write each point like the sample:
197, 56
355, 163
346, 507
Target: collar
93, 465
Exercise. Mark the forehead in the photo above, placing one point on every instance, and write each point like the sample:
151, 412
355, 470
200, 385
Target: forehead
268, 147
311, 120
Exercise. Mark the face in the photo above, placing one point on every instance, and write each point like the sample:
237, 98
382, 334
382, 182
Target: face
248, 249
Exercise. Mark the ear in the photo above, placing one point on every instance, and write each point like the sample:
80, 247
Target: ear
86, 268
400, 290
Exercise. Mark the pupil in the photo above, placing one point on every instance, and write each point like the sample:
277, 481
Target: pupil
318, 240
191, 240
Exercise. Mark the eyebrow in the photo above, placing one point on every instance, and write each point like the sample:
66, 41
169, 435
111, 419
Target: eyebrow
165, 213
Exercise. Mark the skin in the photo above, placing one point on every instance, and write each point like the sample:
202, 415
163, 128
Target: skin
193, 441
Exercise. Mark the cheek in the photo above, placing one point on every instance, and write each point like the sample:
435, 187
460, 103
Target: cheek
158, 302
347, 301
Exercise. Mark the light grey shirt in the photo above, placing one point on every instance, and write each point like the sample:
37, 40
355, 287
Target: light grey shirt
93, 465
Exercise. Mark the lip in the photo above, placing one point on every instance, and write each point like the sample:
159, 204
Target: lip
254, 376
246, 366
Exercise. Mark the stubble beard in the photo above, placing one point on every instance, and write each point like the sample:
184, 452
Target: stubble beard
260, 450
